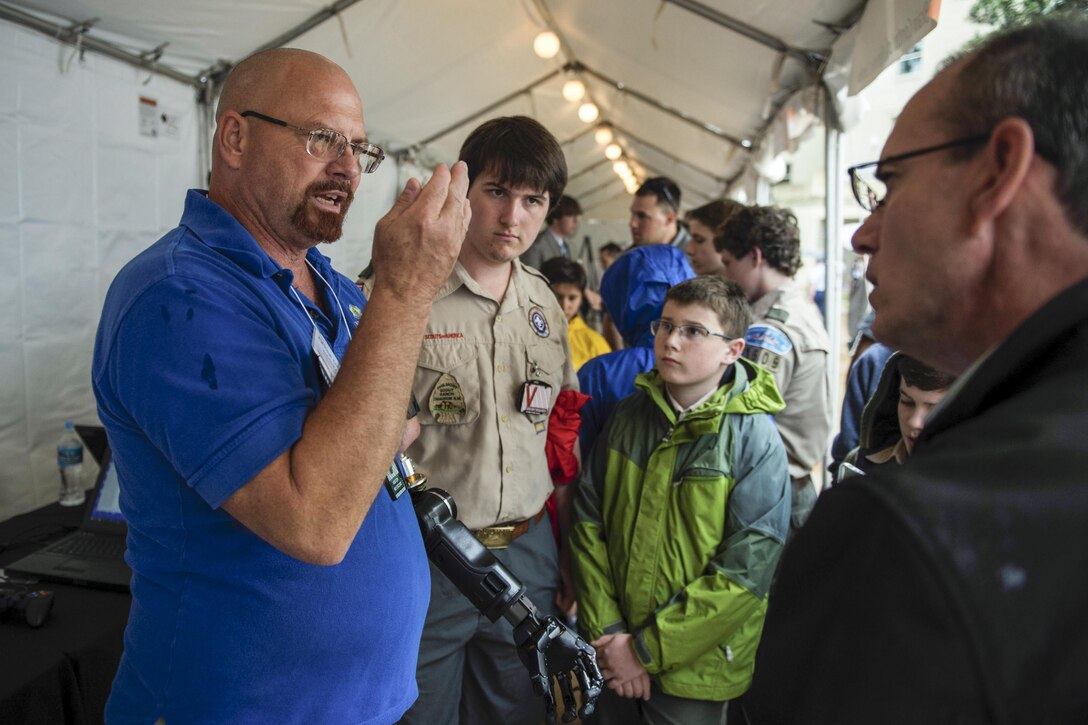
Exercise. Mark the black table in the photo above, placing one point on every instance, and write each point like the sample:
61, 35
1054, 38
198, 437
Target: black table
62, 671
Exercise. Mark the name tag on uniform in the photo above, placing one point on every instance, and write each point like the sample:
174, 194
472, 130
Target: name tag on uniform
536, 398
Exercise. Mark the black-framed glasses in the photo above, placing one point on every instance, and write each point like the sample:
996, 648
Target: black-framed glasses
664, 328
327, 145
869, 190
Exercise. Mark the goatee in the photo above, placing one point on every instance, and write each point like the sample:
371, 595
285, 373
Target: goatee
322, 226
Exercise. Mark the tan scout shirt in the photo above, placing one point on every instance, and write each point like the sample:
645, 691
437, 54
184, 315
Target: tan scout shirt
477, 354
788, 338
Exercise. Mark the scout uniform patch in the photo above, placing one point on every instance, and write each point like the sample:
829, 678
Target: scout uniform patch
447, 402
766, 346
539, 322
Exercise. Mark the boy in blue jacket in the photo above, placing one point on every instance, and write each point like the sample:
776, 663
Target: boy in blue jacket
680, 518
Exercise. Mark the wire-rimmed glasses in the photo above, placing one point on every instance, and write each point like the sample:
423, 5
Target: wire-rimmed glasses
327, 145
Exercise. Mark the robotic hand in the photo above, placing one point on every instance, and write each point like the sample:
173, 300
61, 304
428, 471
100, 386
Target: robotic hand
545, 645
548, 648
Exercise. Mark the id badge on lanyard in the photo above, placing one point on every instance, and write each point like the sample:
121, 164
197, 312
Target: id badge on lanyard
326, 358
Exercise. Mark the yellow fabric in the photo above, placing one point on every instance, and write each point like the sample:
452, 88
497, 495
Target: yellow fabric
585, 342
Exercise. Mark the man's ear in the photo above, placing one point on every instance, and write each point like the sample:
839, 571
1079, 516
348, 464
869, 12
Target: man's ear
1007, 160
733, 350
231, 139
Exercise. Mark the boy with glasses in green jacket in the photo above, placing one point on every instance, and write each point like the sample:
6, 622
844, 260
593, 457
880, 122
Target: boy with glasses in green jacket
680, 518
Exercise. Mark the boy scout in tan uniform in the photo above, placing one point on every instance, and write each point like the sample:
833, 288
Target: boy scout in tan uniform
478, 354
760, 248
788, 338
495, 356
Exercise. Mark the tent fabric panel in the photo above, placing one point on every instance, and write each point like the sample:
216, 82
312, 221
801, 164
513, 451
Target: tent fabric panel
71, 216
199, 32
422, 66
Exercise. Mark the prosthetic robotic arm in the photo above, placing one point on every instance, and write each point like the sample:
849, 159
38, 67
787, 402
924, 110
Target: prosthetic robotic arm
546, 647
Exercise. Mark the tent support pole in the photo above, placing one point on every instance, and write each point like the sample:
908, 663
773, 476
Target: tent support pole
578, 67
502, 101
68, 35
833, 262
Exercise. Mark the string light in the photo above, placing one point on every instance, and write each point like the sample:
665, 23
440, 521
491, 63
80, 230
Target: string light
574, 90
613, 151
588, 112
546, 44
603, 136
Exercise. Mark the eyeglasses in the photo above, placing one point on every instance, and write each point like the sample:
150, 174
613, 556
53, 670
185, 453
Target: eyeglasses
327, 145
869, 190
664, 328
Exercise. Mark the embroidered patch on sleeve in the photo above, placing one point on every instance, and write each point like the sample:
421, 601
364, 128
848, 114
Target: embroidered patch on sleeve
768, 338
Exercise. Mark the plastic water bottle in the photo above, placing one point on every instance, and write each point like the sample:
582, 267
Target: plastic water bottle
70, 463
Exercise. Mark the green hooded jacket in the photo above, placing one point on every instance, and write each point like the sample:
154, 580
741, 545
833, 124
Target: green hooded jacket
678, 527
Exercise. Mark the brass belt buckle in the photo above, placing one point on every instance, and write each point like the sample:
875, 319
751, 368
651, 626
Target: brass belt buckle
495, 537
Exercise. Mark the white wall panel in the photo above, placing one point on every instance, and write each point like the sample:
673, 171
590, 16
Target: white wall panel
11, 292
81, 193
9, 175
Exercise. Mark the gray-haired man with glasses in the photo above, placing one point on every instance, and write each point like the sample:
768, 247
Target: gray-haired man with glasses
951, 588
254, 408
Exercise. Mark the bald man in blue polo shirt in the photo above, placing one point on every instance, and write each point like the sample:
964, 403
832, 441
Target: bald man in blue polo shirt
254, 408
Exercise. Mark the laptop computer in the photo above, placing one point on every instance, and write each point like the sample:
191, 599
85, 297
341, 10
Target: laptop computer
93, 555
94, 437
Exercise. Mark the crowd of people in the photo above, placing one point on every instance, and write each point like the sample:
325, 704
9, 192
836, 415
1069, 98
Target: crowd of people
255, 397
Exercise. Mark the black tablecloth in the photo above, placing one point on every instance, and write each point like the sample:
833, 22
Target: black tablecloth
62, 671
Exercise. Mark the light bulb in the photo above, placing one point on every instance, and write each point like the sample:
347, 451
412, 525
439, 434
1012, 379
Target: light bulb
613, 151
546, 44
603, 136
574, 90
588, 112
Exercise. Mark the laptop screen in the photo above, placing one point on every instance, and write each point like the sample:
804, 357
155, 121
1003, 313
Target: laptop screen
107, 504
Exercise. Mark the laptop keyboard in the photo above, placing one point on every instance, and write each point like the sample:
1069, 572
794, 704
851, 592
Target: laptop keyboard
88, 545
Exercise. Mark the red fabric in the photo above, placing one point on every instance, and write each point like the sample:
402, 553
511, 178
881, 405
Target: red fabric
563, 428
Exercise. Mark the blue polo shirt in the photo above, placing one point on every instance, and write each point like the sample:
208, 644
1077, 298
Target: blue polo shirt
204, 373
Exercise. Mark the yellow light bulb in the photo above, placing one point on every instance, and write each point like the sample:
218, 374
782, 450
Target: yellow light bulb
546, 44
574, 90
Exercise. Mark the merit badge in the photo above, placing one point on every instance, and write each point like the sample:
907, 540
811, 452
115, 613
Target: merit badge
447, 401
536, 398
539, 322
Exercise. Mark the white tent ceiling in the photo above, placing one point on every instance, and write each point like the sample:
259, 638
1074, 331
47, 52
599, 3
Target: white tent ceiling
691, 88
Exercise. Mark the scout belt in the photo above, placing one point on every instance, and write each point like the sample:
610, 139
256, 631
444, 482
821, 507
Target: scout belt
501, 536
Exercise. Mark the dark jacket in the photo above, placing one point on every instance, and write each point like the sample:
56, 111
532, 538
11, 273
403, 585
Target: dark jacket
878, 431
633, 290
951, 589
